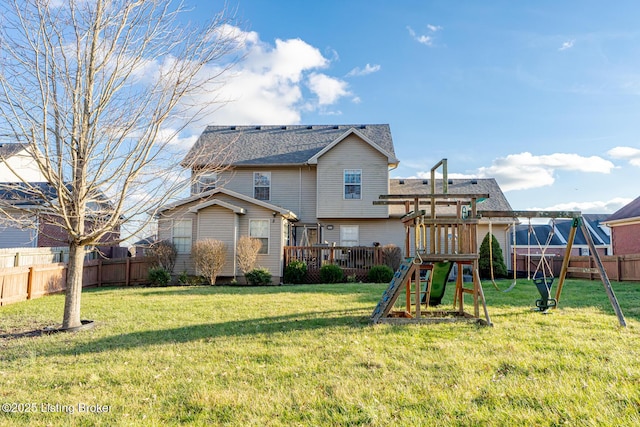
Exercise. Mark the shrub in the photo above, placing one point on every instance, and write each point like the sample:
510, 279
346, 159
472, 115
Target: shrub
258, 276
247, 253
159, 276
295, 272
164, 254
392, 256
188, 279
209, 256
331, 273
380, 274
484, 266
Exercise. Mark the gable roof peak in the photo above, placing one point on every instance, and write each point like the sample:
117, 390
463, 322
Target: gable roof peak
279, 144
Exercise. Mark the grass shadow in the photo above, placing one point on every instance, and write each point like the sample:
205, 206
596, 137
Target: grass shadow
249, 327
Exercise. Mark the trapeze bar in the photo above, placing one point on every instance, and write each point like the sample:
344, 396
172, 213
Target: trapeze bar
435, 196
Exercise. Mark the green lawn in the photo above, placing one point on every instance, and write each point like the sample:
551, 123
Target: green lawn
306, 355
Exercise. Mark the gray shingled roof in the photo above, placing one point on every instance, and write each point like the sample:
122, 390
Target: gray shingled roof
277, 145
9, 149
631, 210
563, 228
496, 201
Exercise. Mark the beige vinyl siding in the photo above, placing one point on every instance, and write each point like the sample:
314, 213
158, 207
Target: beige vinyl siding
273, 259
352, 153
292, 188
165, 232
219, 223
383, 231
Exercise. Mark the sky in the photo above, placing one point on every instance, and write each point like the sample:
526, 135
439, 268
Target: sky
543, 96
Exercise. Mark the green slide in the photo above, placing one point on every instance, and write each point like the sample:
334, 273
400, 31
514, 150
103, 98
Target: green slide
440, 273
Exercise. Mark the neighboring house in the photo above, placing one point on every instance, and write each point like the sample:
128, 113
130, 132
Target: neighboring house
24, 221
16, 159
293, 186
625, 229
550, 238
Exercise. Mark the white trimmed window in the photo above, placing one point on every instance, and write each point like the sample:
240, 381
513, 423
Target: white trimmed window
205, 181
262, 185
353, 183
259, 229
349, 235
182, 235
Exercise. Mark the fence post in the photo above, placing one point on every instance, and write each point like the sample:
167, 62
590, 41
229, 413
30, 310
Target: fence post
29, 283
99, 272
127, 272
16, 260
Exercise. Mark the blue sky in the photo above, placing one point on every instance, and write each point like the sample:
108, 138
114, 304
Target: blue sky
544, 96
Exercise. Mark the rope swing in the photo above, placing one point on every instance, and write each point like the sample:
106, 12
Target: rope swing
493, 281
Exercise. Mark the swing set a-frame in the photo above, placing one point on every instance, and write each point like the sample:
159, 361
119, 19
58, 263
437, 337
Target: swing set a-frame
577, 222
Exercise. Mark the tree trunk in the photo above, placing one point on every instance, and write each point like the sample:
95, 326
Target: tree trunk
74, 287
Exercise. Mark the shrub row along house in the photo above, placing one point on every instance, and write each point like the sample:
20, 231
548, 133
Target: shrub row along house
297, 186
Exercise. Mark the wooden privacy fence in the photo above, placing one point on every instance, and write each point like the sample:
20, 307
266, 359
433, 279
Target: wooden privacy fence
354, 260
23, 283
619, 267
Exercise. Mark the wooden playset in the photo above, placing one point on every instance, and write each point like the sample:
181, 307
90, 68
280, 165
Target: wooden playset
443, 237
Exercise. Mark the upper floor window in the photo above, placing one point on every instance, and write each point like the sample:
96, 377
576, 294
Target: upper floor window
353, 183
262, 185
182, 233
205, 181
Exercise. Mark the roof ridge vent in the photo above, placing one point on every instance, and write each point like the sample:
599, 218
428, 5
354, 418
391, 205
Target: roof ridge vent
232, 128
363, 126
474, 181
309, 127
425, 182
401, 182
258, 127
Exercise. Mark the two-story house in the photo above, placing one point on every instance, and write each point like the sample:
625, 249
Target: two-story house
295, 186
285, 185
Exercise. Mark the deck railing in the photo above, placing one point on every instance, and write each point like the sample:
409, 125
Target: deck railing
354, 260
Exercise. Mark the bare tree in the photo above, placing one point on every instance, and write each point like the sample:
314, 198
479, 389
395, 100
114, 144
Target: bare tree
99, 91
209, 256
247, 253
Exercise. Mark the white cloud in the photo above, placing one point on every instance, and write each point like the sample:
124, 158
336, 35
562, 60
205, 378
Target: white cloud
422, 39
434, 28
368, 69
275, 83
524, 170
328, 89
628, 153
567, 45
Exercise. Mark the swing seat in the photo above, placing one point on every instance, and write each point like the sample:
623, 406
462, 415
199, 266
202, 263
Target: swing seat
544, 285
